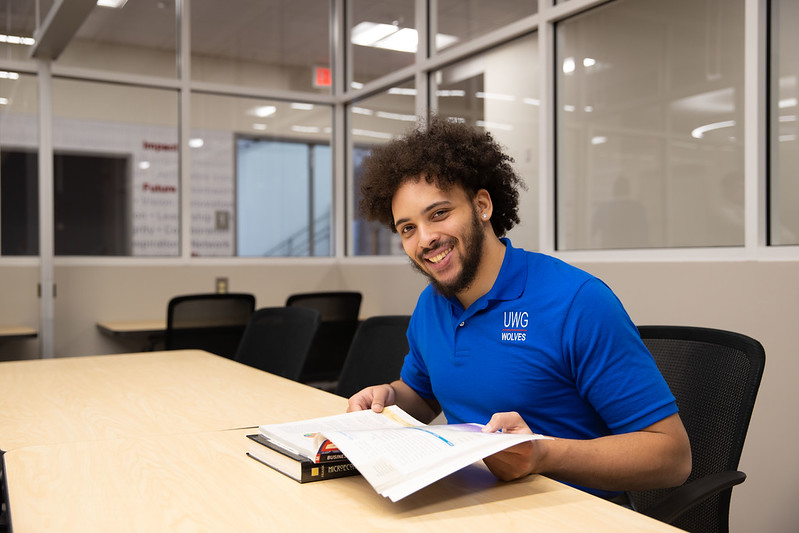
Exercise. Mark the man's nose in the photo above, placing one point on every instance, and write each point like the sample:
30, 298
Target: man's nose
428, 236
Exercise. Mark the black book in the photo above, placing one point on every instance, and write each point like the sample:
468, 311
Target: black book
296, 466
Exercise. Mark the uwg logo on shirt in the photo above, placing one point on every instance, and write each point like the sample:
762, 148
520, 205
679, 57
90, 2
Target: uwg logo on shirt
514, 326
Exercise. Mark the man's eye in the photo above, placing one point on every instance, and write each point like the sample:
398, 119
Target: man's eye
406, 229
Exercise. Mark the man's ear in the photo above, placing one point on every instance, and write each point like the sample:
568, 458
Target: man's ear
483, 204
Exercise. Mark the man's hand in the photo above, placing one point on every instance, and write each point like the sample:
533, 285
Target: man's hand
374, 398
655, 457
516, 461
395, 393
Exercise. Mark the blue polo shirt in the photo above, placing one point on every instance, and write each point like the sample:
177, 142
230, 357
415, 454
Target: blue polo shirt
549, 341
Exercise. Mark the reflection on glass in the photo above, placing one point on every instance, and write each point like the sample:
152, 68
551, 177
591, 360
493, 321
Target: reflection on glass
271, 44
383, 38
138, 38
461, 20
491, 91
19, 181
119, 148
784, 185
275, 181
376, 120
649, 114
17, 24
261, 175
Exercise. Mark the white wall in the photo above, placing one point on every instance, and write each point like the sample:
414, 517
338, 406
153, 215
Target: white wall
760, 299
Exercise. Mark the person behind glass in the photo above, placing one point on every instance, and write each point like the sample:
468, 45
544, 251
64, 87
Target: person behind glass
519, 341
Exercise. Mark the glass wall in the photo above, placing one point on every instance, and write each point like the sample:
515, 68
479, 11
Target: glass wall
234, 140
649, 117
628, 128
784, 189
120, 155
19, 176
17, 24
140, 38
277, 187
458, 21
498, 91
383, 38
376, 120
266, 44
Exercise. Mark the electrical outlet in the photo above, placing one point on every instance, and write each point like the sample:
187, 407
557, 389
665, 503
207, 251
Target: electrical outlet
221, 285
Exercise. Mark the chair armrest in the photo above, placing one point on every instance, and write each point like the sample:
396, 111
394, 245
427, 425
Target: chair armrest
686, 496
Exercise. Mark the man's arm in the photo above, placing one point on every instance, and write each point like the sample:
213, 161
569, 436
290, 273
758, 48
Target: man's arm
658, 456
395, 393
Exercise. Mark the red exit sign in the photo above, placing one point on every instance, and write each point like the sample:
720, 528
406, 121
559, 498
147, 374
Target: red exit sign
322, 77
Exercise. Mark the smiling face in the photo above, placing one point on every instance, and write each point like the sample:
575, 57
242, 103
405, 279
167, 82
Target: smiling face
442, 233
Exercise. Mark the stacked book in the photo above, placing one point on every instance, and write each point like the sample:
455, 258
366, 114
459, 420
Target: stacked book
328, 461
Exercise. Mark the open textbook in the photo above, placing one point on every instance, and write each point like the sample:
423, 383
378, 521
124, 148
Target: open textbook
394, 452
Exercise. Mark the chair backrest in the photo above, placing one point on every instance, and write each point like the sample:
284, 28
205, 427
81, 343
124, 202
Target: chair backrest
376, 354
339, 310
214, 322
714, 376
277, 340
332, 305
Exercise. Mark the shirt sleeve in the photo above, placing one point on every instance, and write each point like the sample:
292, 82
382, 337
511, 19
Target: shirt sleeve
414, 370
612, 368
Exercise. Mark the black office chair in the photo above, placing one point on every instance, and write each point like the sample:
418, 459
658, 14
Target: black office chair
714, 375
277, 340
3, 500
376, 354
339, 311
212, 322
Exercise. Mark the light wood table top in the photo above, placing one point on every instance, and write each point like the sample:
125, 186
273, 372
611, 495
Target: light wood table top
156, 441
78, 399
128, 327
13, 332
203, 481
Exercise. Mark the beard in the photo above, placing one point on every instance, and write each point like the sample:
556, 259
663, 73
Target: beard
473, 242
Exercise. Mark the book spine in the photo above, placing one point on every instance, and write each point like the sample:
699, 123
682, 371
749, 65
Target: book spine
330, 457
328, 452
320, 471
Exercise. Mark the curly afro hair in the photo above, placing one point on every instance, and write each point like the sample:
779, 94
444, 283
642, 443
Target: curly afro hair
446, 153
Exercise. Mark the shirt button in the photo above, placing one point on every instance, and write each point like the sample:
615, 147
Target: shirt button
462, 324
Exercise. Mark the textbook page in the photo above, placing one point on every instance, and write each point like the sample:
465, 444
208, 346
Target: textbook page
304, 437
399, 461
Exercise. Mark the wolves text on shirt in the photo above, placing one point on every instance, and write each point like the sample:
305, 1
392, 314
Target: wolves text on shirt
514, 326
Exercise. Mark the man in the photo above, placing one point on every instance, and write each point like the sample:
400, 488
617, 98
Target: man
516, 340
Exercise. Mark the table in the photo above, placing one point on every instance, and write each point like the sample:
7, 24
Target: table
130, 327
153, 330
17, 332
148, 444
203, 481
78, 399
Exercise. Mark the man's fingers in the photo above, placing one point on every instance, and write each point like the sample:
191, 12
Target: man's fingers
510, 422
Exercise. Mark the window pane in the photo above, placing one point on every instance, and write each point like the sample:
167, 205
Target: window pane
383, 37
274, 44
784, 185
649, 115
19, 182
116, 149
376, 120
284, 170
491, 91
244, 193
461, 20
139, 38
17, 24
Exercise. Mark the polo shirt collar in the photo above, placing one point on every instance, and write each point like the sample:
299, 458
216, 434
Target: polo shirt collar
509, 284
